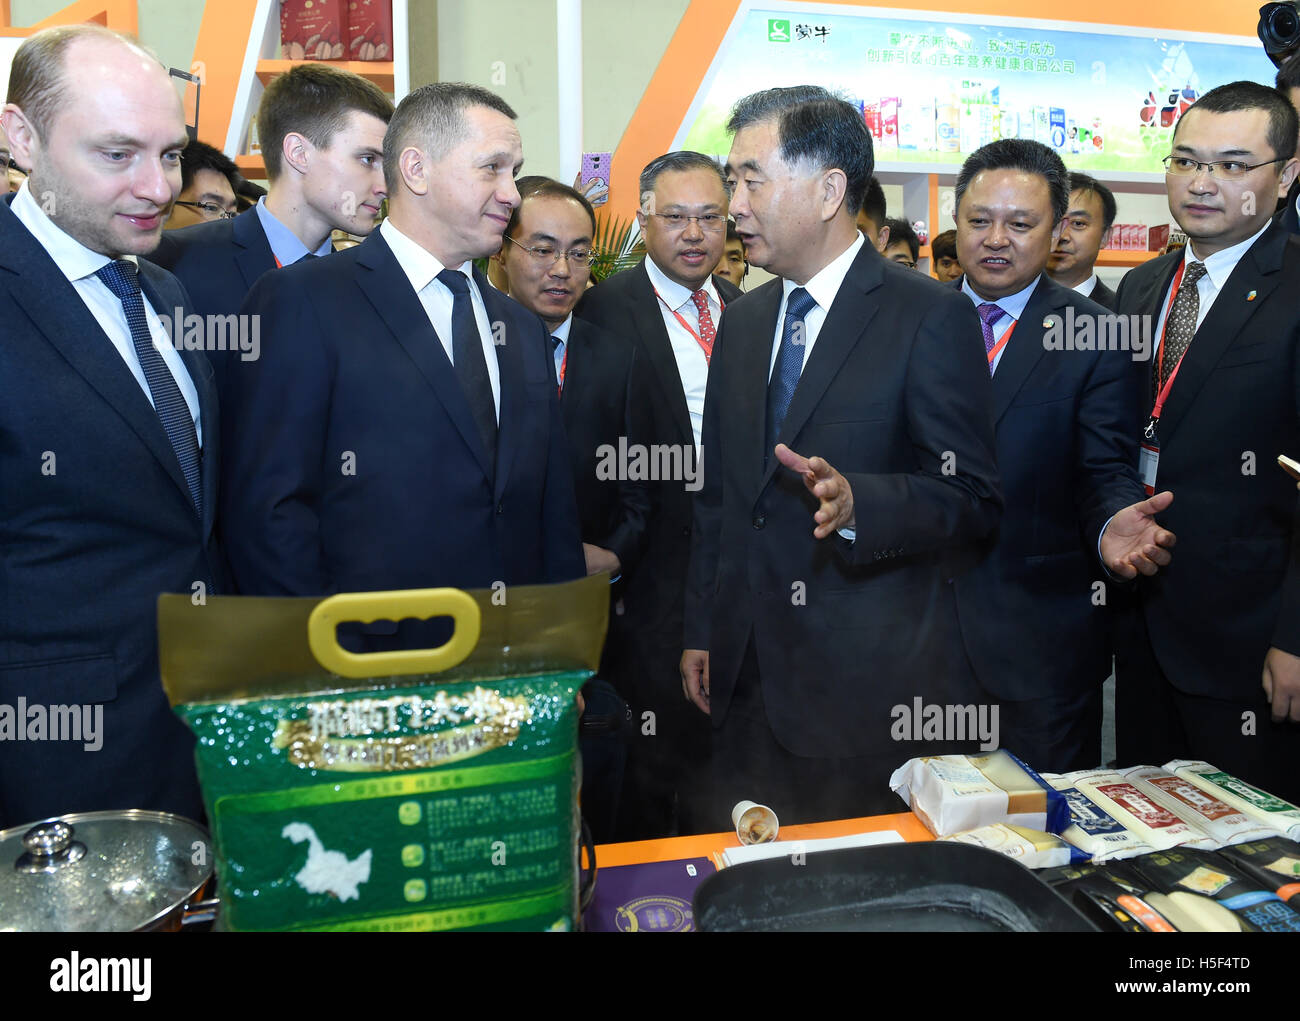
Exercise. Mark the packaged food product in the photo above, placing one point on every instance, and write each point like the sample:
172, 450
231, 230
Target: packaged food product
1032, 848
1091, 829
1208, 893
396, 791
370, 30
953, 793
311, 29
1273, 863
1111, 901
1225, 824
1153, 823
1281, 816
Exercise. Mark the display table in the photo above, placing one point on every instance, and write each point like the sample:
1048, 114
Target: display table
709, 845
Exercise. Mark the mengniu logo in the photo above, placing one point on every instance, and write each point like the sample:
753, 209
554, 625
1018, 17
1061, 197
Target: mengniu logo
778, 30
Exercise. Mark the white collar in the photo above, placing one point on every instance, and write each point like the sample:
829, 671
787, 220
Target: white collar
75, 260
825, 283
561, 332
419, 264
1219, 266
673, 293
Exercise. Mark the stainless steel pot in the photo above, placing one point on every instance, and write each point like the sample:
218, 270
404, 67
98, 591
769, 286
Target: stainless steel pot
104, 872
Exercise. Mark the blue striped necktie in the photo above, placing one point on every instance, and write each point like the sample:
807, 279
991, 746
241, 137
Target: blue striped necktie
789, 364
120, 278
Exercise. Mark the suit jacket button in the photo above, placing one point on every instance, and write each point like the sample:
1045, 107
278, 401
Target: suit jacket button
760, 521
501, 508
686, 530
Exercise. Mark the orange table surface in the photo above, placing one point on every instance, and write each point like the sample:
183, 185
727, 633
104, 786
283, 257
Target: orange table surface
706, 845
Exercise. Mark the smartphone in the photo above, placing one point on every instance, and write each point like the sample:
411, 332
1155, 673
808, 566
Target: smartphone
1289, 466
594, 179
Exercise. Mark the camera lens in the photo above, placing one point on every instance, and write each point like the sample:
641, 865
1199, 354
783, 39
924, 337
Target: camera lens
1284, 24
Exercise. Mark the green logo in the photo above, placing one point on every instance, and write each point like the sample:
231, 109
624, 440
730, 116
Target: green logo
408, 813
778, 30
415, 890
413, 855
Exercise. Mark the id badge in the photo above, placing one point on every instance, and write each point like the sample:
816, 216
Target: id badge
1148, 461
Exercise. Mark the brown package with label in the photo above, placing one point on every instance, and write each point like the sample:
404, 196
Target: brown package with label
370, 30
311, 29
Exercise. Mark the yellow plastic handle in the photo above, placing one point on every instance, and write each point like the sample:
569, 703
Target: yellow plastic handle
369, 606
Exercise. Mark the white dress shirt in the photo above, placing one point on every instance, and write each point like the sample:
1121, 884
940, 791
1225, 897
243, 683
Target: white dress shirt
1013, 307
692, 366
79, 264
422, 268
1087, 287
1218, 267
822, 288
561, 333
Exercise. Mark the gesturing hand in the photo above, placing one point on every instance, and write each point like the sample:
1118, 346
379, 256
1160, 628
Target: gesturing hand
1134, 542
825, 483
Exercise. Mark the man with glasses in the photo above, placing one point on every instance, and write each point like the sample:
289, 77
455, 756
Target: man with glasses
1208, 650
207, 191
670, 307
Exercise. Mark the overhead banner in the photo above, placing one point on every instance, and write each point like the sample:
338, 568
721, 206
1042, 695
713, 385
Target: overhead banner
933, 87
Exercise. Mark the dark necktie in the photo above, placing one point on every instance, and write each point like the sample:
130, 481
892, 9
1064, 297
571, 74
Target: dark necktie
1180, 327
174, 413
989, 314
789, 364
559, 369
467, 357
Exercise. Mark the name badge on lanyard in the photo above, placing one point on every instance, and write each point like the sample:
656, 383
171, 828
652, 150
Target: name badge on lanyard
1149, 451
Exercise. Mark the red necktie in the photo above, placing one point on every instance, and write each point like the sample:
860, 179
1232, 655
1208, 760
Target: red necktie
707, 329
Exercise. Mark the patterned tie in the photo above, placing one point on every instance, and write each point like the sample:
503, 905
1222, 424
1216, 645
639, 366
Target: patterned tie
707, 330
559, 363
469, 361
989, 314
789, 364
1181, 323
120, 278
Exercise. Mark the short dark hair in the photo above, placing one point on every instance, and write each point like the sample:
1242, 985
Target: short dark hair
873, 203
1283, 124
682, 159
814, 126
1084, 182
732, 233
1024, 155
313, 100
1288, 77
200, 156
536, 186
944, 246
901, 230
436, 113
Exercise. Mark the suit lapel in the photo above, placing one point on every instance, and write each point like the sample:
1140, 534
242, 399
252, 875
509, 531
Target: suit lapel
77, 336
1255, 273
654, 338
510, 371
254, 256
1025, 347
846, 323
750, 332
390, 293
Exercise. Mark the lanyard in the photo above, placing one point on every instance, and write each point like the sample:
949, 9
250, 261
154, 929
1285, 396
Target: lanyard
997, 348
1160, 364
707, 348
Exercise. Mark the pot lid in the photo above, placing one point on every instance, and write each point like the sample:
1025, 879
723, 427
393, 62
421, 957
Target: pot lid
99, 871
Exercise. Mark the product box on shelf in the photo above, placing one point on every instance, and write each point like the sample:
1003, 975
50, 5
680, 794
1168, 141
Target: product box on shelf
370, 29
311, 29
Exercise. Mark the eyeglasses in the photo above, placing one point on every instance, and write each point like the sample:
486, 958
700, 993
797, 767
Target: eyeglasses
549, 255
210, 209
712, 222
11, 165
1227, 170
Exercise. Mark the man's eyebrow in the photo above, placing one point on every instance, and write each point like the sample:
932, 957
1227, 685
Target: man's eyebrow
1080, 214
1235, 150
1014, 212
747, 165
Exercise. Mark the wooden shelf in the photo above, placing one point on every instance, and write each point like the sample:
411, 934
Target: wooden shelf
1107, 257
253, 167
378, 71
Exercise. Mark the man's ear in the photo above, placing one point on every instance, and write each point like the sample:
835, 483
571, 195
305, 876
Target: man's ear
294, 151
22, 139
882, 239
411, 163
1288, 177
834, 186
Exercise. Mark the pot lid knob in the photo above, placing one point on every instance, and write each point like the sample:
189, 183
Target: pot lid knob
49, 846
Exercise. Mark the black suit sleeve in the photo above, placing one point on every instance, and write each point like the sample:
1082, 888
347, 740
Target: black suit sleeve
275, 448
1286, 633
706, 508
628, 540
954, 499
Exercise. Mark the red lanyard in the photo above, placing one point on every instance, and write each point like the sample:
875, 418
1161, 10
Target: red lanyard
997, 348
707, 348
1160, 367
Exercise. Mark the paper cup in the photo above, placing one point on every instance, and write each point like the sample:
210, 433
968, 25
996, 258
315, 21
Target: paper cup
755, 823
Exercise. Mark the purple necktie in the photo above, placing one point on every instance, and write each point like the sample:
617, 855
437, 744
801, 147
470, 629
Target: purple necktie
989, 314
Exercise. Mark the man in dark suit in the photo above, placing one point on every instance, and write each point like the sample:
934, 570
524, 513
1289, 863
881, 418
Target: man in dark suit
1084, 231
401, 429
1287, 84
108, 436
546, 263
322, 131
669, 307
1208, 659
848, 453
1033, 606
